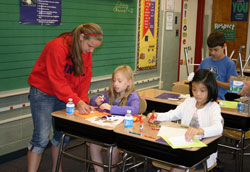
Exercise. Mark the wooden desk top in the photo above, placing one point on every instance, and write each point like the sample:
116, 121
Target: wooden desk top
149, 147
150, 94
151, 135
76, 118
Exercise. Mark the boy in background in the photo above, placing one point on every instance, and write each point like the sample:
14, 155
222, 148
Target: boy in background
220, 65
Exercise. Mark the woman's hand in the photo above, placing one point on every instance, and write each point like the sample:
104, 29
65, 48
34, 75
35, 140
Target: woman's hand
191, 132
152, 117
83, 107
246, 89
99, 100
105, 106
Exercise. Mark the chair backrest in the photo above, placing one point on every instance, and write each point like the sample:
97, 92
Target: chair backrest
143, 105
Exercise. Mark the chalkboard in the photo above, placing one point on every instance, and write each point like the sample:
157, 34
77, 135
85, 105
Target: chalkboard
21, 44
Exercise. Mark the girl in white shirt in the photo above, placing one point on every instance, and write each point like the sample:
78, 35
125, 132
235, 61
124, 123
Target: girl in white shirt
200, 111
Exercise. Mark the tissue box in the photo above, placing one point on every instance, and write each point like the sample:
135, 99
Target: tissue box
235, 86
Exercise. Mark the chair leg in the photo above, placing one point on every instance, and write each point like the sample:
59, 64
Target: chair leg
134, 161
205, 165
124, 161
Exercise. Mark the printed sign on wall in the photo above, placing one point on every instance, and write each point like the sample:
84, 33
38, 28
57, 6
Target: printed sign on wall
43, 12
148, 34
239, 10
228, 29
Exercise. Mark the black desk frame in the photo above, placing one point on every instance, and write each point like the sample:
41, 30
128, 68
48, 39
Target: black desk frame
176, 157
234, 122
78, 130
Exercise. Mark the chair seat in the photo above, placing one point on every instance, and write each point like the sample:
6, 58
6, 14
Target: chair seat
168, 167
236, 135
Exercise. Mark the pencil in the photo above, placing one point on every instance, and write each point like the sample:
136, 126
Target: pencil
134, 133
149, 137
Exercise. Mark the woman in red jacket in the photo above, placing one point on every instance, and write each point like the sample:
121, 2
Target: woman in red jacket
62, 71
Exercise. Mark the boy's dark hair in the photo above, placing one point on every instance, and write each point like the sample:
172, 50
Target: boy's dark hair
207, 78
216, 39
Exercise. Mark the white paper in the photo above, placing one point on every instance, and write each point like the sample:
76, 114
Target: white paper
169, 5
109, 121
166, 131
179, 141
169, 20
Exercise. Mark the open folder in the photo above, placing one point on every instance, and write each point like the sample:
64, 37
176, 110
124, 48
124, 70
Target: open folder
175, 137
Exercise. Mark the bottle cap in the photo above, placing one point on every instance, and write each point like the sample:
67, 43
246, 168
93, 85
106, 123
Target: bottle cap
70, 99
128, 111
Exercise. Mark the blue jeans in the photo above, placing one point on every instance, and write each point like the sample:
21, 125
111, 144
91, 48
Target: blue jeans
42, 105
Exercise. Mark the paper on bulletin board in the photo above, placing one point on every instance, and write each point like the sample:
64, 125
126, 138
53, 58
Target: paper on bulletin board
169, 5
169, 20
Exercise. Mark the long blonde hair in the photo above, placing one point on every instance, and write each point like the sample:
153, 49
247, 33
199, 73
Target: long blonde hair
128, 73
90, 30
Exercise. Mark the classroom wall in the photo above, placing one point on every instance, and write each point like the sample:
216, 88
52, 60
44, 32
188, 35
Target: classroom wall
15, 117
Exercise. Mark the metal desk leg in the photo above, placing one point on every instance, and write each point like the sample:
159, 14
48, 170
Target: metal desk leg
242, 151
110, 158
124, 158
145, 164
60, 153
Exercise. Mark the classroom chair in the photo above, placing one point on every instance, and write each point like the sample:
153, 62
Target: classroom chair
181, 87
167, 167
236, 136
143, 105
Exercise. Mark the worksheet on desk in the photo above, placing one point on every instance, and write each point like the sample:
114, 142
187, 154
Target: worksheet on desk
112, 120
176, 137
166, 131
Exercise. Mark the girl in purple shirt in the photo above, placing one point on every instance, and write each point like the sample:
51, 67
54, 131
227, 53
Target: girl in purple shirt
120, 97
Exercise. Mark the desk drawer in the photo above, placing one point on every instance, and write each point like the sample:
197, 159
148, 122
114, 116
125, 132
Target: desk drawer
85, 131
165, 153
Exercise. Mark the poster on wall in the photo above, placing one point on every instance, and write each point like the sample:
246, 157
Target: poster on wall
228, 29
41, 12
239, 11
148, 30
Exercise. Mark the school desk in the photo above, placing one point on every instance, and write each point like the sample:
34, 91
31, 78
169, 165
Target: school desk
233, 119
78, 127
148, 145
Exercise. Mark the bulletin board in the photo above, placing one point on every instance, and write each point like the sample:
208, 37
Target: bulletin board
148, 31
21, 44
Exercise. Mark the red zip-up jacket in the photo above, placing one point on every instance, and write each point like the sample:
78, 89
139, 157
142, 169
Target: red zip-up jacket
53, 72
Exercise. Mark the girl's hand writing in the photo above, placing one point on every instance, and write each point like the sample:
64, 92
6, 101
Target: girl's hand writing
191, 132
152, 117
105, 106
99, 100
83, 107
